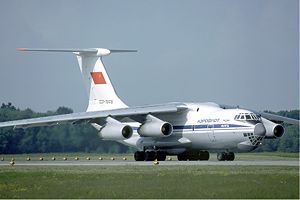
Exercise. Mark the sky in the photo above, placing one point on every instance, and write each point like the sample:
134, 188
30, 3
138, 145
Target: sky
234, 52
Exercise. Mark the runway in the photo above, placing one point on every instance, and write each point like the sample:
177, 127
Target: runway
150, 163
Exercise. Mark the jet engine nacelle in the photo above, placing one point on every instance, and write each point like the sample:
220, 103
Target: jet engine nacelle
154, 127
115, 130
272, 130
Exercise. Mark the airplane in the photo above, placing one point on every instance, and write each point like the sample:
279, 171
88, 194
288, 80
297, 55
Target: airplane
187, 130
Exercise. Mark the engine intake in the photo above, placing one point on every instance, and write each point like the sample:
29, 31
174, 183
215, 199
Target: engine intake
115, 130
154, 127
278, 130
272, 130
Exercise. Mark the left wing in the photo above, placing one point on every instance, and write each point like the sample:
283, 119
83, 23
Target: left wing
279, 119
93, 117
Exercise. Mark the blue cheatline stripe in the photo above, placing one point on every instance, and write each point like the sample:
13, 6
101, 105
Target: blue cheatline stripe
204, 126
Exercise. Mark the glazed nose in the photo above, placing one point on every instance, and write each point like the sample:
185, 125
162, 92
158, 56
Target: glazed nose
259, 129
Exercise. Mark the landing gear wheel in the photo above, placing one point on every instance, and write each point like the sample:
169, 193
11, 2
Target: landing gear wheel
230, 156
221, 156
182, 156
225, 156
193, 155
150, 156
161, 156
139, 156
204, 155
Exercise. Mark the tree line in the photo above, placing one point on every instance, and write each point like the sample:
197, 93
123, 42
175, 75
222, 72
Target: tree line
84, 138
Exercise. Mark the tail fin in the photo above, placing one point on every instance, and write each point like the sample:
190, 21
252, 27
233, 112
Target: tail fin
102, 95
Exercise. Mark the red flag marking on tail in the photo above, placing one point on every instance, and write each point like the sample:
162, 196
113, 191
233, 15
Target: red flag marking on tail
98, 78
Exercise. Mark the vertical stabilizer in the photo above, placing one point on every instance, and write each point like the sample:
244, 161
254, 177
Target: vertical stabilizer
102, 95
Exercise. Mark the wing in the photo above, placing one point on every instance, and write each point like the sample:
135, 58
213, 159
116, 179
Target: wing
138, 113
278, 119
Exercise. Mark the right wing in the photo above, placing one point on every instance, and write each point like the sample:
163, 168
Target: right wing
96, 116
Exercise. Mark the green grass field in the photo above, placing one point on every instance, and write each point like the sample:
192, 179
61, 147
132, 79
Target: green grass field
149, 182
276, 182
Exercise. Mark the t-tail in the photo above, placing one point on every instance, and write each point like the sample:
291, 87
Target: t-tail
102, 95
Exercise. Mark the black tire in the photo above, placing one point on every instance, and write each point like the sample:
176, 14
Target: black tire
161, 156
193, 155
150, 156
182, 157
230, 156
139, 156
204, 155
221, 156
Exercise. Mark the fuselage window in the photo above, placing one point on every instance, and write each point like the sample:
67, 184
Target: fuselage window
242, 117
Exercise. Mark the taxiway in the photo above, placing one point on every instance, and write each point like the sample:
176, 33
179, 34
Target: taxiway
149, 163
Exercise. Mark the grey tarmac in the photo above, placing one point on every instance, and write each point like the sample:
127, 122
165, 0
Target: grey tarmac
149, 163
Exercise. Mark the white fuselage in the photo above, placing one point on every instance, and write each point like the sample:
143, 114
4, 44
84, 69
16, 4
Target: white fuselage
204, 126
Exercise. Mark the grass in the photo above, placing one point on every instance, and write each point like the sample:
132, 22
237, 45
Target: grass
277, 182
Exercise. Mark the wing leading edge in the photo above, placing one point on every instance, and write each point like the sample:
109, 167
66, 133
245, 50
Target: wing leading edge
277, 118
90, 117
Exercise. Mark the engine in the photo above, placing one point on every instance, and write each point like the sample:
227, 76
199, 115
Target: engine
272, 130
154, 127
115, 130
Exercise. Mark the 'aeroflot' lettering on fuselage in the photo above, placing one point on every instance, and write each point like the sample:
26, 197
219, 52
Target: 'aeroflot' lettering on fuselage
208, 120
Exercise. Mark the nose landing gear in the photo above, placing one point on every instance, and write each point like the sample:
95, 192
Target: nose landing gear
225, 156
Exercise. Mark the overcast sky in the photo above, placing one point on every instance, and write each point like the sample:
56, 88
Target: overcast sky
231, 52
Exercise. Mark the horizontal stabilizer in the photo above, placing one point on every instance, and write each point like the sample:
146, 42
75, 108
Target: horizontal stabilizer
60, 50
121, 51
93, 51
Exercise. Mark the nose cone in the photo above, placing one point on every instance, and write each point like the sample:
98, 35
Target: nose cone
259, 129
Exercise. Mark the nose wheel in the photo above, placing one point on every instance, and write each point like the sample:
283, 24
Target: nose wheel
229, 156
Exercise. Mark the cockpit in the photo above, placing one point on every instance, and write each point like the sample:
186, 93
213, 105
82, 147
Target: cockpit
247, 117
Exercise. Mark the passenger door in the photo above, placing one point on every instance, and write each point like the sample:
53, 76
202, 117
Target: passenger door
211, 133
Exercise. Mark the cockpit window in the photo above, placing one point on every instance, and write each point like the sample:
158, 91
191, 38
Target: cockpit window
247, 117
253, 116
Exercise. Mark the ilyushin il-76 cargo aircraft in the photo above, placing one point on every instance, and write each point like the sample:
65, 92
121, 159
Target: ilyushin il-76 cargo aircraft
188, 130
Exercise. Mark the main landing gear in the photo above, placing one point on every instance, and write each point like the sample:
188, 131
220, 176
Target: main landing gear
222, 156
185, 156
150, 155
193, 155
